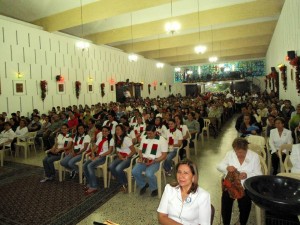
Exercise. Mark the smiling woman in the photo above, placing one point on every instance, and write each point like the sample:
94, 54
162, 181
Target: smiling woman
184, 197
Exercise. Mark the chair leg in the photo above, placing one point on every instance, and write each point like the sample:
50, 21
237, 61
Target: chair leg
195, 146
1, 157
104, 171
60, 171
129, 180
25, 151
80, 173
109, 178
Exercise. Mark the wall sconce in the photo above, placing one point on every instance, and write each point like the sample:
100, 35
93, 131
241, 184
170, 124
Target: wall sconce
91, 79
165, 86
59, 78
19, 75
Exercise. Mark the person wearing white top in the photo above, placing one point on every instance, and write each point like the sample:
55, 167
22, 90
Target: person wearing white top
111, 123
278, 137
247, 163
174, 139
99, 152
153, 149
7, 135
81, 142
20, 132
63, 143
295, 158
125, 150
185, 202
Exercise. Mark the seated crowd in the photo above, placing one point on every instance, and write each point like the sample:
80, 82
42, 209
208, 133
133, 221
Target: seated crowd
76, 131
153, 131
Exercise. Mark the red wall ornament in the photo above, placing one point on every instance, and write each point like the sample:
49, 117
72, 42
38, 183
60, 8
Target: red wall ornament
43, 85
102, 86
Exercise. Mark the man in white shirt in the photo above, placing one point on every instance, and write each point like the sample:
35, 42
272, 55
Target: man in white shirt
153, 150
7, 135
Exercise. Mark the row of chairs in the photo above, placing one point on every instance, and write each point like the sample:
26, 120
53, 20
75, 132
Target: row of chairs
25, 145
103, 170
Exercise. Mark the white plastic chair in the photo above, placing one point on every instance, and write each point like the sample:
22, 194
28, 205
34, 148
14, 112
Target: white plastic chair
5, 148
29, 141
288, 149
158, 177
206, 129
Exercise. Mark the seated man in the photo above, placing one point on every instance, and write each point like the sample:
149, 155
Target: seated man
7, 135
153, 149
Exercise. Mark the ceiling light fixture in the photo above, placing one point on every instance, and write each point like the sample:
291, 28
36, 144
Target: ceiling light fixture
173, 26
199, 49
213, 58
132, 57
82, 44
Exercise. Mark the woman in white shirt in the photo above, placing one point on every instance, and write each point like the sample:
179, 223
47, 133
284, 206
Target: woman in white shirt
81, 142
125, 150
185, 202
102, 148
21, 133
278, 137
63, 143
174, 138
247, 163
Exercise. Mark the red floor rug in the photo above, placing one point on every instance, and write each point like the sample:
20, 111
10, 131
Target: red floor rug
24, 200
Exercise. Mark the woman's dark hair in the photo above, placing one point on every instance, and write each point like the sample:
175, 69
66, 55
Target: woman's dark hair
98, 126
160, 121
240, 143
119, 140
194, 171
126, 124
151, 127
281, 119
109, 136
172, 120
180, 119
84, 127
65, 125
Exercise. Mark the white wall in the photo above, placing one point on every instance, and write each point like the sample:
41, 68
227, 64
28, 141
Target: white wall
285, 38
40, 55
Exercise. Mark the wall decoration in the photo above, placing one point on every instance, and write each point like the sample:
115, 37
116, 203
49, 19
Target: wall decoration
292, 74
60, 87
44, 86
77, 88
170, 88
59, 78
295, 62
90, 88
149, 88
19, 87
102, 87
282, 69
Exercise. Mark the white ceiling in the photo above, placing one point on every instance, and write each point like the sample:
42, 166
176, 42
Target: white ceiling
109, 22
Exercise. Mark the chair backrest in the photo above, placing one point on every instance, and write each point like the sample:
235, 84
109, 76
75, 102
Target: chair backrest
285, 148
263, 164
206, 122
258, 140
258, 149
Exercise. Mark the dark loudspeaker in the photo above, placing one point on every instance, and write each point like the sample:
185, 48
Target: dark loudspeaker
291, 54
273, 69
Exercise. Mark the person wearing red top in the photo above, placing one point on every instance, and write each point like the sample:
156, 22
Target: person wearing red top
72, 122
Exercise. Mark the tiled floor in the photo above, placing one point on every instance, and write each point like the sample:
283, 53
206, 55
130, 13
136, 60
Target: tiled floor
132, 209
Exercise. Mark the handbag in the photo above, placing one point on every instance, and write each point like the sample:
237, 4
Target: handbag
232, 184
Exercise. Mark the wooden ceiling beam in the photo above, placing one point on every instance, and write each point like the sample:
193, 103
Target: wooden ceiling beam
226, 53
92, 12
239, 12
219, 46
231, 33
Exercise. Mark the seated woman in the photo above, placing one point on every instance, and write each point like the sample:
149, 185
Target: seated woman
247, 164
63, 143
102, 148
174, 138
185, 202
185, 134
247, 128
161, 129
80, 142
125, 150
278, 137
20, 132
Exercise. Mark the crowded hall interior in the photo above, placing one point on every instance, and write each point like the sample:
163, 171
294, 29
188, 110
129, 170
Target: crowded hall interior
149, 112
